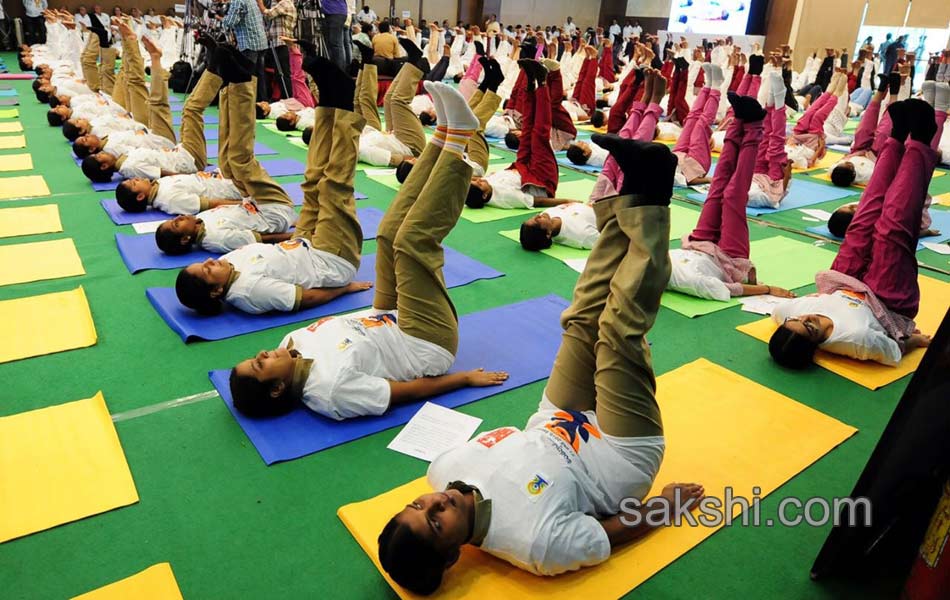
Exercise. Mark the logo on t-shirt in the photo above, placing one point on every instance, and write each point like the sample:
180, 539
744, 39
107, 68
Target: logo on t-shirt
856, 298
493, 437
291, 244
537, 485
572, 427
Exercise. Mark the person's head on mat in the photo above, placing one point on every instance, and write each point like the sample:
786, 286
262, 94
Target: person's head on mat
404, 168
794, 343
427, 117
538, 232
479, 193
86, 145
262, 386
307, 134
843, 174
457, 78
841, 218
178, 236
579, 153
598, 119
58, 100
513, 139
262, 109
201, 286
287, 121
43, 93
99, 167
58, 115
601, 103
73, 128
424, 539
132, 194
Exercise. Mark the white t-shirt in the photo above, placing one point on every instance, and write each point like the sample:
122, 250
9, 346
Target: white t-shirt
377, 148
506, 190
233, 226
82, 19
105, 125
150, 163
189, 194
355, 358
498, 126
578, 225
305, 117
857, 333
123, 142
549, 485
863, 168
670, 132
697, 274
421, 103
70, 86
93, 105
598, 156
800, 155
272, 276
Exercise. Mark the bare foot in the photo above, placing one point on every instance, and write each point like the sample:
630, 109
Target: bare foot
358, 286
153, 50
683, 494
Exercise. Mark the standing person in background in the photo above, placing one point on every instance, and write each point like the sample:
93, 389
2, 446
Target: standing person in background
637, 29
244, 18
492, 26
348, 33
82, 18
335, 15
882, 49
367, 17
569, 27
281, 19
33, 24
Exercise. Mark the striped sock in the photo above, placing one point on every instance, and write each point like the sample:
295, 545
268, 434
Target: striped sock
441, 132
456, 140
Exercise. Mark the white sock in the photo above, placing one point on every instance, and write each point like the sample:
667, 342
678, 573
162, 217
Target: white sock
929, 91
717, 79
942, 97
430, 86
458, 116
707, 71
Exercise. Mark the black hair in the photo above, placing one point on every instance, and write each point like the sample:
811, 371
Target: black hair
252, 398
307, 134
42, 96
384, 27
534, 237
601, 103
259, 111
71, 130
81, 150
597, 119
195, 293
476, 198
411, 561
457, 78
513, 141
283, 123
426, 118
842, 176
54, 101
169, 242
37, 83
128, 200
92, 169
839, 221
54, 118
576, 154
403, 170
790, 349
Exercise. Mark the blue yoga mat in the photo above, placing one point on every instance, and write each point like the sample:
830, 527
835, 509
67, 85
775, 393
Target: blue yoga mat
9, 92
520, 338
565, 162
140, 253
801, 194
941, 222
280, 167
208, 120
259, 149
459, 270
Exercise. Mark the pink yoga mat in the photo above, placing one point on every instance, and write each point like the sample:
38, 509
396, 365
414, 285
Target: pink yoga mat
6, 76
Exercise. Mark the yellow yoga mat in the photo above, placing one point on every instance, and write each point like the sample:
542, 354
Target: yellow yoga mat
28, 186
29, 220
734, 432
11, 127
934, 298
16, 162
826, 162
154, 583
825, 175
45, 324
941, 199
37, 261
12, 141
60, 464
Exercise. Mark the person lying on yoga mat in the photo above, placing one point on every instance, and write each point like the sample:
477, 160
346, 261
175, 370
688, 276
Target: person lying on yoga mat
531, 181
713, 262
178, 194
120, 143
295, 120
806, 145
563, 132
866, 303
572, 224
349, 366
318, 264
274, 110
548, 498
772, 173
841, 219
188, 157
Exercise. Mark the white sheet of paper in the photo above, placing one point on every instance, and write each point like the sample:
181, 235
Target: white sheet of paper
577, 264
761, 305
146, 227
817, 213
812, 219
379, 172
938, 248
434, 430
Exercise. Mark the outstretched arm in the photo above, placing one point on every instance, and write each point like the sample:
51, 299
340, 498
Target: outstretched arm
402, 392
317, 296
275, 238
546, 202
761, 290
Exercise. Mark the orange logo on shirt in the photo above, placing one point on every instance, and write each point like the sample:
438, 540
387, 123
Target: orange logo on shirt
291, 244
572, 427
250, 207
858, 296
378, 321
493, 437
313, 327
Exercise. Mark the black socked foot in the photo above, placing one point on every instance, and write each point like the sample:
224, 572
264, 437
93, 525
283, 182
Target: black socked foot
233, 66
413, 53
366, 53
746, 108
335, 86
900, 120
756, 62
883, 82
534, 70
920, 120
894, 83
648, 167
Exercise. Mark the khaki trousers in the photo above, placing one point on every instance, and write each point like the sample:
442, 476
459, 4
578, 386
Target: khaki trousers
397, 109
604, 361
135, 88
367, 87
409, 254
192, 118
328, 217
484, 106
88, 62
107, 58
160, 112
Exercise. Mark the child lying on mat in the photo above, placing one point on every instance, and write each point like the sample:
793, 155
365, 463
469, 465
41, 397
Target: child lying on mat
177, 194
841, 219
343, 367
318, 264
274, 110
772, 173
806, 145
866, 303
547, 499
120, 143
572, 224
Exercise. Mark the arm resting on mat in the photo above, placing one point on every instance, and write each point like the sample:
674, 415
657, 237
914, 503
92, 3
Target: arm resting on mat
317, 296
402, 392
275, 238
760, 290
545, 202
635, 522
216, 202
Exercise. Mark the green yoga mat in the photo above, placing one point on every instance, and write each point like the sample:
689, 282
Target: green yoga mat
682, 221
389, 181
295, 141
578, 189
273, 127
9, 113
490, 213
779, 261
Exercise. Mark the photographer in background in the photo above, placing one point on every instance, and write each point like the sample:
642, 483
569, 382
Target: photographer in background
244, 18
281, 20
335, 15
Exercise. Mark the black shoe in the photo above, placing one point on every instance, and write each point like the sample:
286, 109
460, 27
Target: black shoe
366, 53
648, 167
883, 82
746, 108
756, 62
534, 70
900, 120
894, 83
413, 53
920, 120
335, 86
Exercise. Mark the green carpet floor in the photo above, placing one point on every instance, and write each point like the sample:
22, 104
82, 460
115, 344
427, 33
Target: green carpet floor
234, 528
